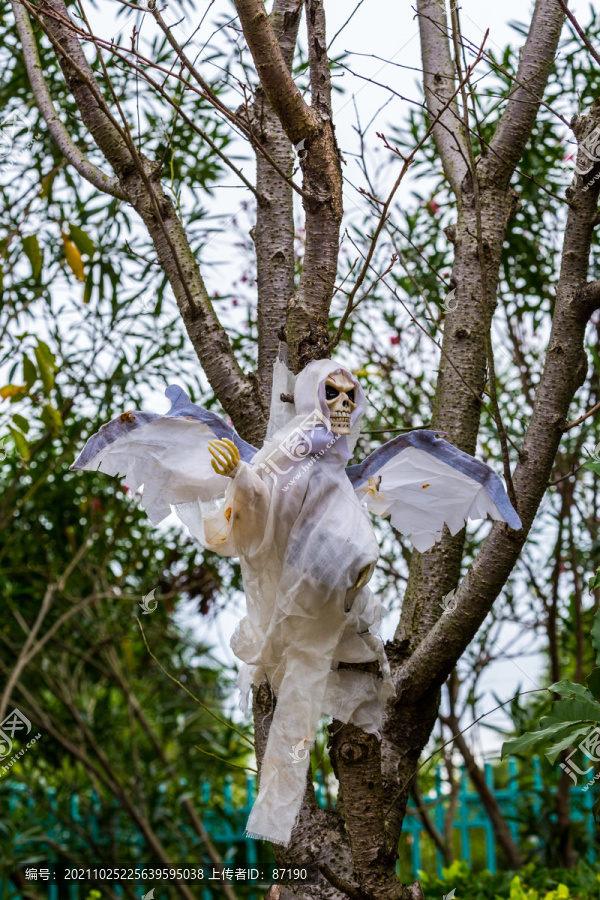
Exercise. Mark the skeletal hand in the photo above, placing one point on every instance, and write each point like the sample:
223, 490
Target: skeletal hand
362, 578
225, 456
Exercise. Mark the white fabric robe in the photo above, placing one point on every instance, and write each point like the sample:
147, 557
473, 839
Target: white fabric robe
302, 537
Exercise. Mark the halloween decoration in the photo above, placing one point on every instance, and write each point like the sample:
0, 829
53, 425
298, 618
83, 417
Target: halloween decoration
293, 514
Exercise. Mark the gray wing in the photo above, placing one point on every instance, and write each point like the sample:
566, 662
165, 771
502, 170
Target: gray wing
167, 454
423, 483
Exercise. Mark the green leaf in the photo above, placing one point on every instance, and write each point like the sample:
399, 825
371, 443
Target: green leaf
45, 360
583, 709
568, 688
89, 285
51, 418
82, 241
531, 738
12, 390
594, 466
46, 186
594, 581
33, 253
595, 635
29, 372
21, 422
20, 443
553, 750
593, 682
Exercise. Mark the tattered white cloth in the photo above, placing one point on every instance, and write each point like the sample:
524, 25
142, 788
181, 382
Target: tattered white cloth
293, 514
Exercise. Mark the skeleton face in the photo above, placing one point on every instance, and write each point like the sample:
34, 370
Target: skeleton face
340, 398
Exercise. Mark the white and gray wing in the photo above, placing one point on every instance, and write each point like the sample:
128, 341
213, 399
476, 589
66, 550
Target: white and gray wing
423, 483
167, 454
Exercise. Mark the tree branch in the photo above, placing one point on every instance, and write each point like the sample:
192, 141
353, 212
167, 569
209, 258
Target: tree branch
306, 329
439, 74
282, 92
65, 143
535, 63
580, 31
104, 773
564, 372
139, 179
273, 234
26, 653
318, 60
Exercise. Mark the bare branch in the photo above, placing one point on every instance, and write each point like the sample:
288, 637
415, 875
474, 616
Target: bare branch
564, 372
439, 85
66, 145
351, 305
535, 63
25, 654
318, 61
273, 234
580, 31
282, 92
139, 178
582, 418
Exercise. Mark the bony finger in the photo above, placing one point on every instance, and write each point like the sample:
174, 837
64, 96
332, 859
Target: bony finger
214, 446
235, 453
231, 446
223, 453
234, 457
216, 464
232, 460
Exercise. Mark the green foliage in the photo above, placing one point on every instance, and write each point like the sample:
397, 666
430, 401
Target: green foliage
570, 718
533, 882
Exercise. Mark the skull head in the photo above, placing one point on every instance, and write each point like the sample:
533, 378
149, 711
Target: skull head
340, 397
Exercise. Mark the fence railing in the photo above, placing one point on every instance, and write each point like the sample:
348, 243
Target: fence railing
226, 823
471, 815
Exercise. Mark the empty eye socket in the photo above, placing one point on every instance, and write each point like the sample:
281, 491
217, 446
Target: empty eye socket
351, 395
330, 392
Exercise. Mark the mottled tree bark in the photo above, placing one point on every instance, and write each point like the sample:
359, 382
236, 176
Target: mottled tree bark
274, 232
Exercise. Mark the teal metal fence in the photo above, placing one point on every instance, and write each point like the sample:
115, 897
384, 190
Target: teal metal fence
225, 821
471, 815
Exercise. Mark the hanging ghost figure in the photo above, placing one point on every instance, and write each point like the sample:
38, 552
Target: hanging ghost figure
293, 512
